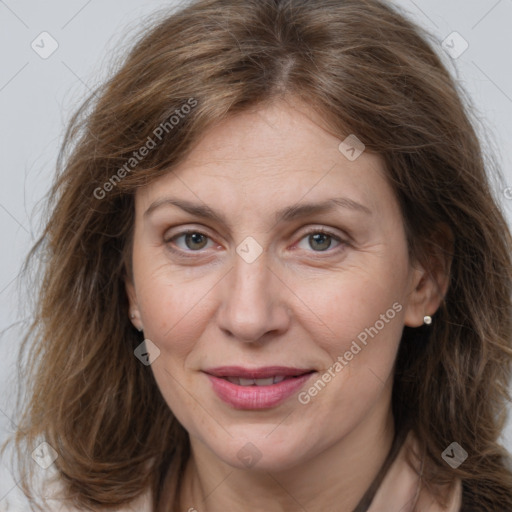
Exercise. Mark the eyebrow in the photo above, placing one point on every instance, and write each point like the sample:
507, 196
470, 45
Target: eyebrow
286, 214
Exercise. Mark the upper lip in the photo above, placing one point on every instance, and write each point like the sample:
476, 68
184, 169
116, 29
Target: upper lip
263, 372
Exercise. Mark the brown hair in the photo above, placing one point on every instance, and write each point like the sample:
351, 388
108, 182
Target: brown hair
368, 71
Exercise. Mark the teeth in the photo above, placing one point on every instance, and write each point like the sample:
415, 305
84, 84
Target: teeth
239, 381
264, 382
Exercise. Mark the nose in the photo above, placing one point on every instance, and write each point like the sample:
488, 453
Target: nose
253, 307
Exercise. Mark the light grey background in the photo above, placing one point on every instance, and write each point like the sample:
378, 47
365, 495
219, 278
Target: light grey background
37, 96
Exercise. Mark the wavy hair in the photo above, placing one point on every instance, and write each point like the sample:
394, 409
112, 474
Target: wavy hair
367, 70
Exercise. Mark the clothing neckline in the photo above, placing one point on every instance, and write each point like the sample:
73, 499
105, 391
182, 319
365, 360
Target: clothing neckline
403, 489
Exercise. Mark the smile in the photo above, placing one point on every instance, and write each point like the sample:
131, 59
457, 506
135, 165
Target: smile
261, 388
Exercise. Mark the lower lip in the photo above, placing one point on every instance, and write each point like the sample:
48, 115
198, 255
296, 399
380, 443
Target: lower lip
256, 397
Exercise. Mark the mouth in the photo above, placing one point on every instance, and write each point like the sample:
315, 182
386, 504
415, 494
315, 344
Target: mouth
240, 381
264, 376
259, 388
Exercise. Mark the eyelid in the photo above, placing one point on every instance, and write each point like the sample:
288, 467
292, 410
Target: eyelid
320, 228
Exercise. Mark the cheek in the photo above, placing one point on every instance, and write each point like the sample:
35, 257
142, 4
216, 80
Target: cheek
364, 302
171, 304
173, 312
360, 333
178, 392
172, 319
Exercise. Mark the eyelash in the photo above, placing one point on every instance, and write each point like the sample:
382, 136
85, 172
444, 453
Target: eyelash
190, 254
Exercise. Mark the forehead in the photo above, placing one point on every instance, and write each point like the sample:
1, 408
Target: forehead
276, 155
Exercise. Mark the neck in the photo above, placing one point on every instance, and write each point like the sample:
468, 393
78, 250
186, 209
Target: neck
336, 477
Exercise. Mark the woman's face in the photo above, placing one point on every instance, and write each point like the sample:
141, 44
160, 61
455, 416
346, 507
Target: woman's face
294, 272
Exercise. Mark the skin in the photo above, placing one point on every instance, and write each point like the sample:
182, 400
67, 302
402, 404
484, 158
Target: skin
295, 305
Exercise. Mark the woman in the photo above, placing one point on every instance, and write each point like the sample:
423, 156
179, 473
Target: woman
277, 278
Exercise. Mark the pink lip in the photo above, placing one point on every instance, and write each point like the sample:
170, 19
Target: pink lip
256, 397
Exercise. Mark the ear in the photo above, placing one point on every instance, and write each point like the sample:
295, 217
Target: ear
430, 278
132, 301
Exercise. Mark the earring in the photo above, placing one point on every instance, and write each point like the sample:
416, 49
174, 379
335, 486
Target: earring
132, 316
427, 319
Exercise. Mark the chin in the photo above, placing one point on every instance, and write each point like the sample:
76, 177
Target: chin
263, 453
